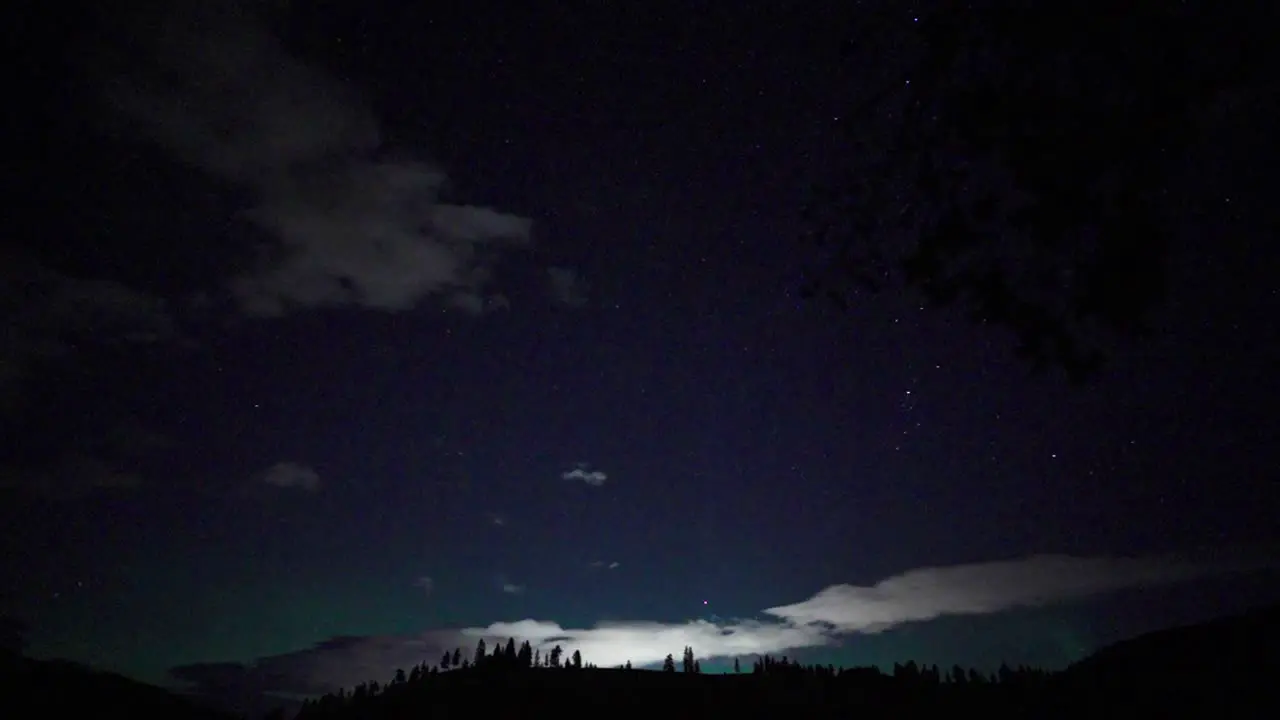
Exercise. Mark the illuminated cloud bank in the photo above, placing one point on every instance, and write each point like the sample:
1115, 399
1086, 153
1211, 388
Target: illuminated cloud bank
647, 643
915, 596
979, 589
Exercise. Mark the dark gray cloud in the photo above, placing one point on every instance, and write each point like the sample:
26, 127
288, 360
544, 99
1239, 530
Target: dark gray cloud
52, 317
335, 663
292, 475
567, 286
350, 225
425, 584
71, 478
87, 463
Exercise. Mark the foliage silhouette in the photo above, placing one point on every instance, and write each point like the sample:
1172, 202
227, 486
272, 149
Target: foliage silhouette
1029, 161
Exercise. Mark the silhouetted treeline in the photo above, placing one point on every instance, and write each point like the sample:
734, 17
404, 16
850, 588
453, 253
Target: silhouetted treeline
1221, 669
509, 666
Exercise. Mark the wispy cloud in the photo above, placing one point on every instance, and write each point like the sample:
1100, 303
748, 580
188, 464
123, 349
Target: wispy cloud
350, 223
582, 472
980, 589
292, 475
601, 564
496, 519
426, 584
512, 588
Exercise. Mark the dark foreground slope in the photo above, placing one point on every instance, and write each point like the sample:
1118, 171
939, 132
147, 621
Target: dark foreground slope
1222, 668
54, 688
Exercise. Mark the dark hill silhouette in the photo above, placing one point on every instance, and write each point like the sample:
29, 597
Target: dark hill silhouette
58, 688
1198, 670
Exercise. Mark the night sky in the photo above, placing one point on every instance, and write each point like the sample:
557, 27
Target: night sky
337, 336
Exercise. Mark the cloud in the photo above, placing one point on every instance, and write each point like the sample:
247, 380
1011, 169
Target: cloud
512, 589
595, 478
602, 564
496, 519
980, 589
426, 584
350, 224
567, 286
292, 475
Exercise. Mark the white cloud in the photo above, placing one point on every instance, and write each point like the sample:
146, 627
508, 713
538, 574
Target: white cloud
350, 225
582, 472
602, 564
292, 475
512, 589
615, 565
647, 643
979, 589
496, 519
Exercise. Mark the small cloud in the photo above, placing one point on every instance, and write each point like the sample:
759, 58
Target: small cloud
615, 565
601, 564
595, 478
512, 589
292, 475
496, 519
425, 583
567, 286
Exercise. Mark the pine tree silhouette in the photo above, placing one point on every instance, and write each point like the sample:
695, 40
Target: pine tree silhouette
525, 656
